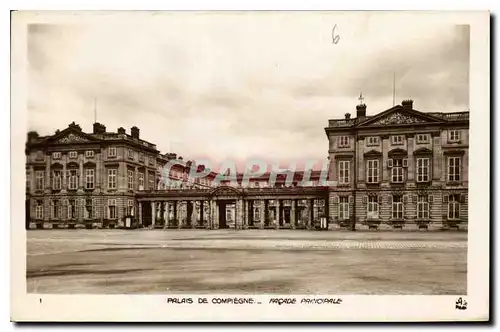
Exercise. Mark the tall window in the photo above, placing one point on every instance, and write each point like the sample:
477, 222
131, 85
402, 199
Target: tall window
151, 181
343, 207
112, 208
130, 180
112, 178
130, 208
397, 207
422, 169
130, 154
112, 152
151, 160
372, 171
344, 171
343, 142
71, 209
56, 180
372, 212
56, 209
454, 207
88, 213
454, 135
397, 170
141, 181
39, 210
423, 207
72, 179
141, 157
39, 177
89, 178
454, 169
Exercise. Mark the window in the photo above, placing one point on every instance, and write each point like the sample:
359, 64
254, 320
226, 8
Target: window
422, 138
130, 180
56, 209
397, 207
39, 177
344, 171
397, 140
89, 178
423, 169
372, 171
141, 181
454, 169
111, 152
72, 179
39, 210
112, 178
112, 209
39, 155
397, 170
454, 207
73, 154
28, 180
256, 184
372, 212
372, 140
141, 157
56, 180
422, 207
130, 208
56, 155
151, 160
71, 209
130, 154
454, 135
343, 142
343, 207
89, 154
151, 181
89, 207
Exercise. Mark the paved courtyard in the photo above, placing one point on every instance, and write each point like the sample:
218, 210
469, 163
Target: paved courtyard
249, 261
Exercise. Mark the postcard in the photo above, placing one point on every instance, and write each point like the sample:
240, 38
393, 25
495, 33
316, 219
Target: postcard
250, 166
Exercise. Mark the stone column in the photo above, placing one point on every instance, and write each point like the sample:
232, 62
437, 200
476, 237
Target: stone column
140, 213
293, 214
277, 214
311, 213
167, 215
153, 214
202, 212
246, 219
47, 184
266, 210
385, 150
411, 162
193, 215
262, 213
176, 213
210, 223
80, 182
64, 184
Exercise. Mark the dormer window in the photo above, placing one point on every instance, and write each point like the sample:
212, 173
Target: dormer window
372, 141
73, 154
397, 140
56, 155
422, 138
454, 136
343, 142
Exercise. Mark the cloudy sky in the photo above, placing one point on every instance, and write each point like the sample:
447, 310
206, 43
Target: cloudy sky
240, 85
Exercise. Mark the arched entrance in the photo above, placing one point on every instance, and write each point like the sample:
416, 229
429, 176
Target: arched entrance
228, 206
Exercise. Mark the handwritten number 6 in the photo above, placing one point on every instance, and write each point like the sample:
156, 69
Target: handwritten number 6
335, 38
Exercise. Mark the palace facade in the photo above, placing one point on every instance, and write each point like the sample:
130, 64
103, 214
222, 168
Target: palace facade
399, 166
395, 168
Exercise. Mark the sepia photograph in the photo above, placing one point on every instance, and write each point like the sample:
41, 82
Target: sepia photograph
261, 159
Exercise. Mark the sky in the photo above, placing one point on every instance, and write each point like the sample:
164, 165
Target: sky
239, 85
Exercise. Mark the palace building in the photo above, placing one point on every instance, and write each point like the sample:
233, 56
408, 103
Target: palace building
396, 168
399, 166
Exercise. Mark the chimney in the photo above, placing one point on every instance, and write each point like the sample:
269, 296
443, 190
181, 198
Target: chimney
134, 131
348, 116
76, 126
99, 128
361, 111
121, 130
407, 104
32, 136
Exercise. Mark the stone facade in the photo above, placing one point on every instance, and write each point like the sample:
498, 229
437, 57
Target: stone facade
399, 167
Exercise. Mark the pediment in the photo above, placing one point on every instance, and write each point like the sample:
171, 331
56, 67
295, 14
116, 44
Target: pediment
399, 116
71, 135
72, 138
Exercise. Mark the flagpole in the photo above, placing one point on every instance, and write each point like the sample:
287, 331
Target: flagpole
394, 89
